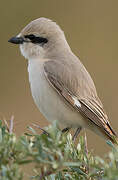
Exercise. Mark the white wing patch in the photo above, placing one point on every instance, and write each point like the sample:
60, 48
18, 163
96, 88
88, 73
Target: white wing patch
76, 102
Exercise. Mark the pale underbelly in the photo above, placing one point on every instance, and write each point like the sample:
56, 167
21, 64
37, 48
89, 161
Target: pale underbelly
52, 105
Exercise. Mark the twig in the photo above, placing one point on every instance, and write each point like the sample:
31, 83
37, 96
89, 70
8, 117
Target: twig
45, 174
9, 127
6, 124
86, 147
11, 124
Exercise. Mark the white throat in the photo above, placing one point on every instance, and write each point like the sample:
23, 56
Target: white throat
32, 51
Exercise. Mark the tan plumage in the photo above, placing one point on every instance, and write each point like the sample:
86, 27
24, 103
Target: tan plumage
61, 86
91, 106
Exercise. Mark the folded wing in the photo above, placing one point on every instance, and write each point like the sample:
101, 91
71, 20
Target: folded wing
78, 91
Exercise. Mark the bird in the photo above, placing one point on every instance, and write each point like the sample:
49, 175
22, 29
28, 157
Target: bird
61, 87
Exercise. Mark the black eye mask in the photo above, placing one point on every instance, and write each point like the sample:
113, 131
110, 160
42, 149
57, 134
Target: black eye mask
36, 39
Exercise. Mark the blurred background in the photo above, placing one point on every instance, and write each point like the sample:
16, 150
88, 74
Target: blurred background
91, 29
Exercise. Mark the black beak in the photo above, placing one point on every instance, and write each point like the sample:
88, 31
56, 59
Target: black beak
16, 40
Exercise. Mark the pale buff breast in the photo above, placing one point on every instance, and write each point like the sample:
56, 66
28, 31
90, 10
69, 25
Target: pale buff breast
50, 104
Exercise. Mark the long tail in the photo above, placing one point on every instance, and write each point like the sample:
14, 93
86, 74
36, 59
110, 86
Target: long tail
111, 135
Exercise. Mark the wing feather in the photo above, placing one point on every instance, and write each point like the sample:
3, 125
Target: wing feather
90, 107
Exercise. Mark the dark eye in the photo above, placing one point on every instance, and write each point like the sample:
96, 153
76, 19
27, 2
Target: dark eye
30, 36
36, 39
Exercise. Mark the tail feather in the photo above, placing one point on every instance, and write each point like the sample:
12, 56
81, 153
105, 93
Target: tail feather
111, 135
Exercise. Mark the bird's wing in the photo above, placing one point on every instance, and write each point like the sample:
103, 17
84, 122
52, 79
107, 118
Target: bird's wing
75, 86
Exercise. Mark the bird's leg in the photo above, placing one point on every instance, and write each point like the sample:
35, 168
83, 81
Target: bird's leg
44, 132
65, 129
76, 133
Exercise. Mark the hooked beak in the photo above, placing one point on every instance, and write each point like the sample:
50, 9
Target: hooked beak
16, 40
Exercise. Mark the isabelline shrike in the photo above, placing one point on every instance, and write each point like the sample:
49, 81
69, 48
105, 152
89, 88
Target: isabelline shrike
61, 87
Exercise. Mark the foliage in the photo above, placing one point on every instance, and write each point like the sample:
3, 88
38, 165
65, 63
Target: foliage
54, 156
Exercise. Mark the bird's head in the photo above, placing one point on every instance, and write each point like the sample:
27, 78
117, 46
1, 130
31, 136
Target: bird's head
40, 38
